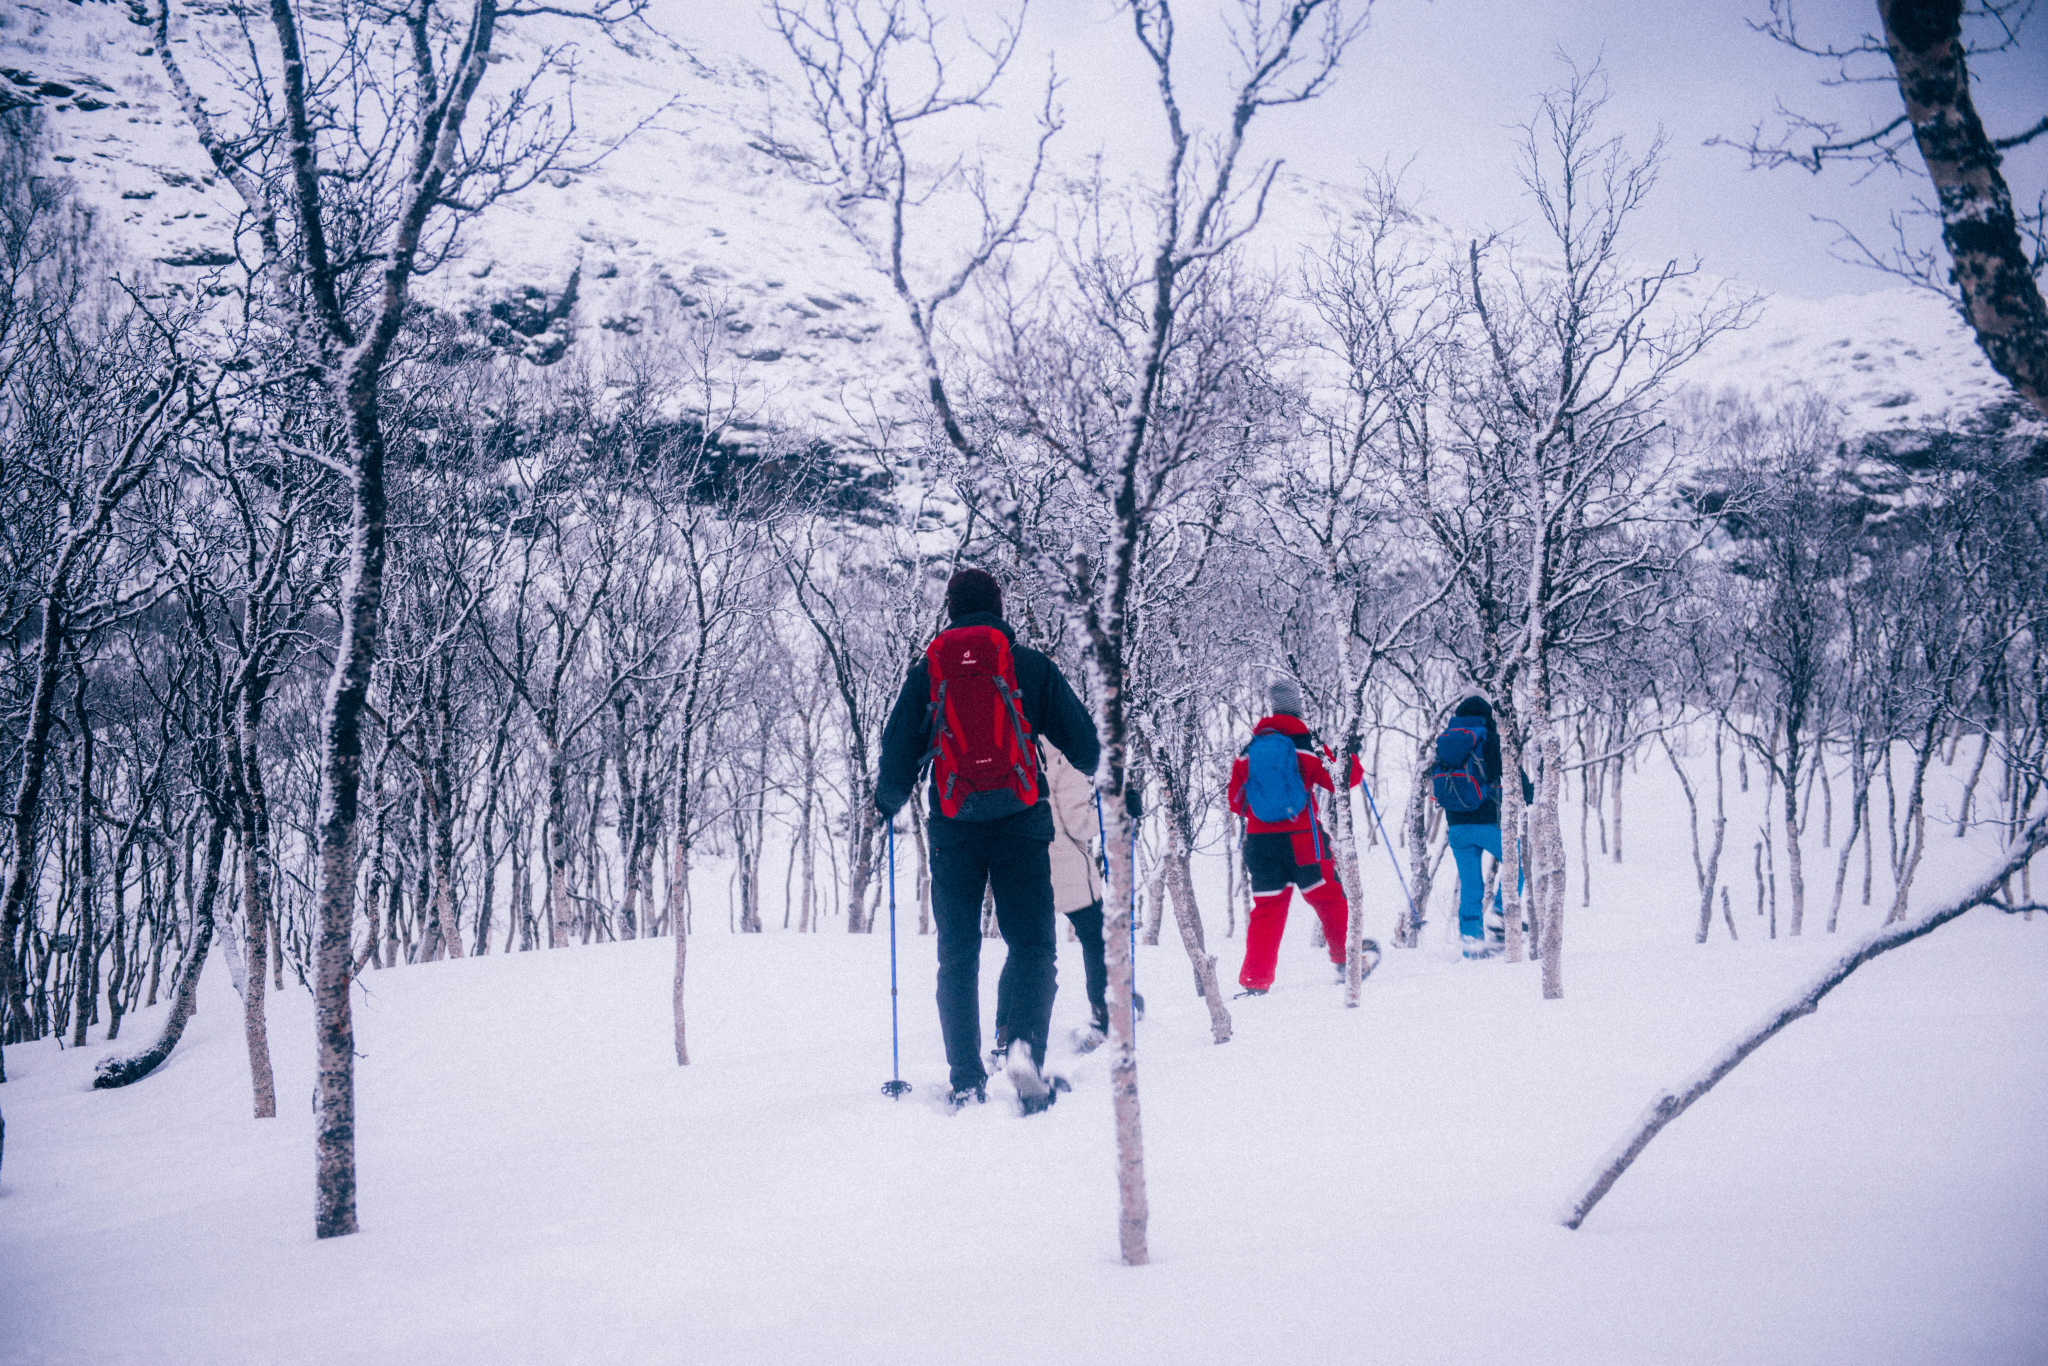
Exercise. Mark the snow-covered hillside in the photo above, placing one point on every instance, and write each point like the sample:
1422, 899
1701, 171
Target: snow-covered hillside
540, 1183
700, 212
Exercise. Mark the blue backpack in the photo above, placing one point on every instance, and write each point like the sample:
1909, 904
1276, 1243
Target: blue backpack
1459, 782
1272, 782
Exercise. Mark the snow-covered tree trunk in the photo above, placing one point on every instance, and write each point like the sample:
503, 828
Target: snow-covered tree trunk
1133, 1212
555, 832
1915, 823
1546, 882
1511, 853
2000, 296
113, 1070
1416, 823
1351, 877
681, 935
1188, 916
439, 782
1859, 805
88, 947
253, 819
341, 748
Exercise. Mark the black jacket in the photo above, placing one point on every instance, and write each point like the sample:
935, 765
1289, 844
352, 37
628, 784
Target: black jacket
1489, 814
1049, 705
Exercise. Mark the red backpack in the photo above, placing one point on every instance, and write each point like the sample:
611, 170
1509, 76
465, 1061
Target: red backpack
984, 765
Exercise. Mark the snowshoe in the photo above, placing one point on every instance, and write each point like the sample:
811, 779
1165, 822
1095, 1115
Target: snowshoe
1088, 1038
1034, 1092
962, 1096
1250, 991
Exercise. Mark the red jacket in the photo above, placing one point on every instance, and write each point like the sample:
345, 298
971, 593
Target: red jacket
1314, 774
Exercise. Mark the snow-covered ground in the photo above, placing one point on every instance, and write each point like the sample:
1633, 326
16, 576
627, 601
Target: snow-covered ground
540, 1182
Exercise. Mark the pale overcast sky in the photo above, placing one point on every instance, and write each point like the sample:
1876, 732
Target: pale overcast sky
1440, 83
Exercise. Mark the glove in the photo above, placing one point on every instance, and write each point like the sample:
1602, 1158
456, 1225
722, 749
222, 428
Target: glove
1134, 803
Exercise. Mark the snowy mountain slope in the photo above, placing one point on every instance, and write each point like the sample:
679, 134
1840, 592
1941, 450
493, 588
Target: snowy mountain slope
541, 1184
700, 215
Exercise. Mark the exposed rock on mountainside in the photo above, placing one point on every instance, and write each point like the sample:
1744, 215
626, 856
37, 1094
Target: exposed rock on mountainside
702, 218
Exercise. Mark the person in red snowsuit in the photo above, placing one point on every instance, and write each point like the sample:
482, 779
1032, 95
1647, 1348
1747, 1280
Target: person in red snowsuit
1283, 855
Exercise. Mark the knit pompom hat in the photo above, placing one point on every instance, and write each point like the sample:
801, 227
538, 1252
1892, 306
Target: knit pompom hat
1284, 695
973, 590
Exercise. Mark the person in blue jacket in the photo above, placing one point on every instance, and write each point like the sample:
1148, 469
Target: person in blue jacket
1471, 831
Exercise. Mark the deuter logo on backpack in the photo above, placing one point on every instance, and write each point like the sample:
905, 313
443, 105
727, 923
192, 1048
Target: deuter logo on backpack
984, 765
1272, 778
1459, 782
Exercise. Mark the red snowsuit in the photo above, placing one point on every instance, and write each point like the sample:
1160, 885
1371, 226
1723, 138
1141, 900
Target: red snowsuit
1283, 855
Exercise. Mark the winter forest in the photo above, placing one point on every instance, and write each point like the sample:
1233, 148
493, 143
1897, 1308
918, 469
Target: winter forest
477, 474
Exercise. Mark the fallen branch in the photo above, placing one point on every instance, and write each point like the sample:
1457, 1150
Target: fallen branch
1673, 1103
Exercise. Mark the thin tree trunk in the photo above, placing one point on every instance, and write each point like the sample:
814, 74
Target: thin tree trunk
1417, 826
1156, 901
255, 1028
1511, 877
115, 1071
341, 745
1859, 801
1188, 916
1620, 767
1970, 787
88, 927
1916, 825
251, 808
556, 840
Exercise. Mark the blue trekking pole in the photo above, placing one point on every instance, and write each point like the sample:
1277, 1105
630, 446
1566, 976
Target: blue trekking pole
1388, 845
896, 1086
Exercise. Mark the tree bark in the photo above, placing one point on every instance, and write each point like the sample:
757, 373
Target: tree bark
115, 1071
88, 914
2000, 298
1188, 916
1413, 916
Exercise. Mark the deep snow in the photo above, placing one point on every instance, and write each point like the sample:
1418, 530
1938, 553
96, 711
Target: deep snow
540, 1182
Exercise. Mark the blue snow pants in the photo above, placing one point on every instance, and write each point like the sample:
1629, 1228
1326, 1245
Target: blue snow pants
1466, 841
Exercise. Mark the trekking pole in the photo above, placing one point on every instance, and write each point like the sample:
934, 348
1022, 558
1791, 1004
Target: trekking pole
1387, 844
895, 1086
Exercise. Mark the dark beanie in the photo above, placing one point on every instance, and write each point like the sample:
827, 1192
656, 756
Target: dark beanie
973, 590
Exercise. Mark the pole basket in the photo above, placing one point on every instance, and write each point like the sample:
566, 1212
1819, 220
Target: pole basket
895, 1090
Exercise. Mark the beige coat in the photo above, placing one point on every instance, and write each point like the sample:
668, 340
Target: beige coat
1076, 883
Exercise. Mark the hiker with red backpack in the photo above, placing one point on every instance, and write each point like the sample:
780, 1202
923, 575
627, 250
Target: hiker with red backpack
1465, 781
1272, 785
973, 708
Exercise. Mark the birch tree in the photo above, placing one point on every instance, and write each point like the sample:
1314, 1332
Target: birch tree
1993, 246
342, 216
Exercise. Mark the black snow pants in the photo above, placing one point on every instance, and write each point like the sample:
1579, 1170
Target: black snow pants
1017, 868
1087, 923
